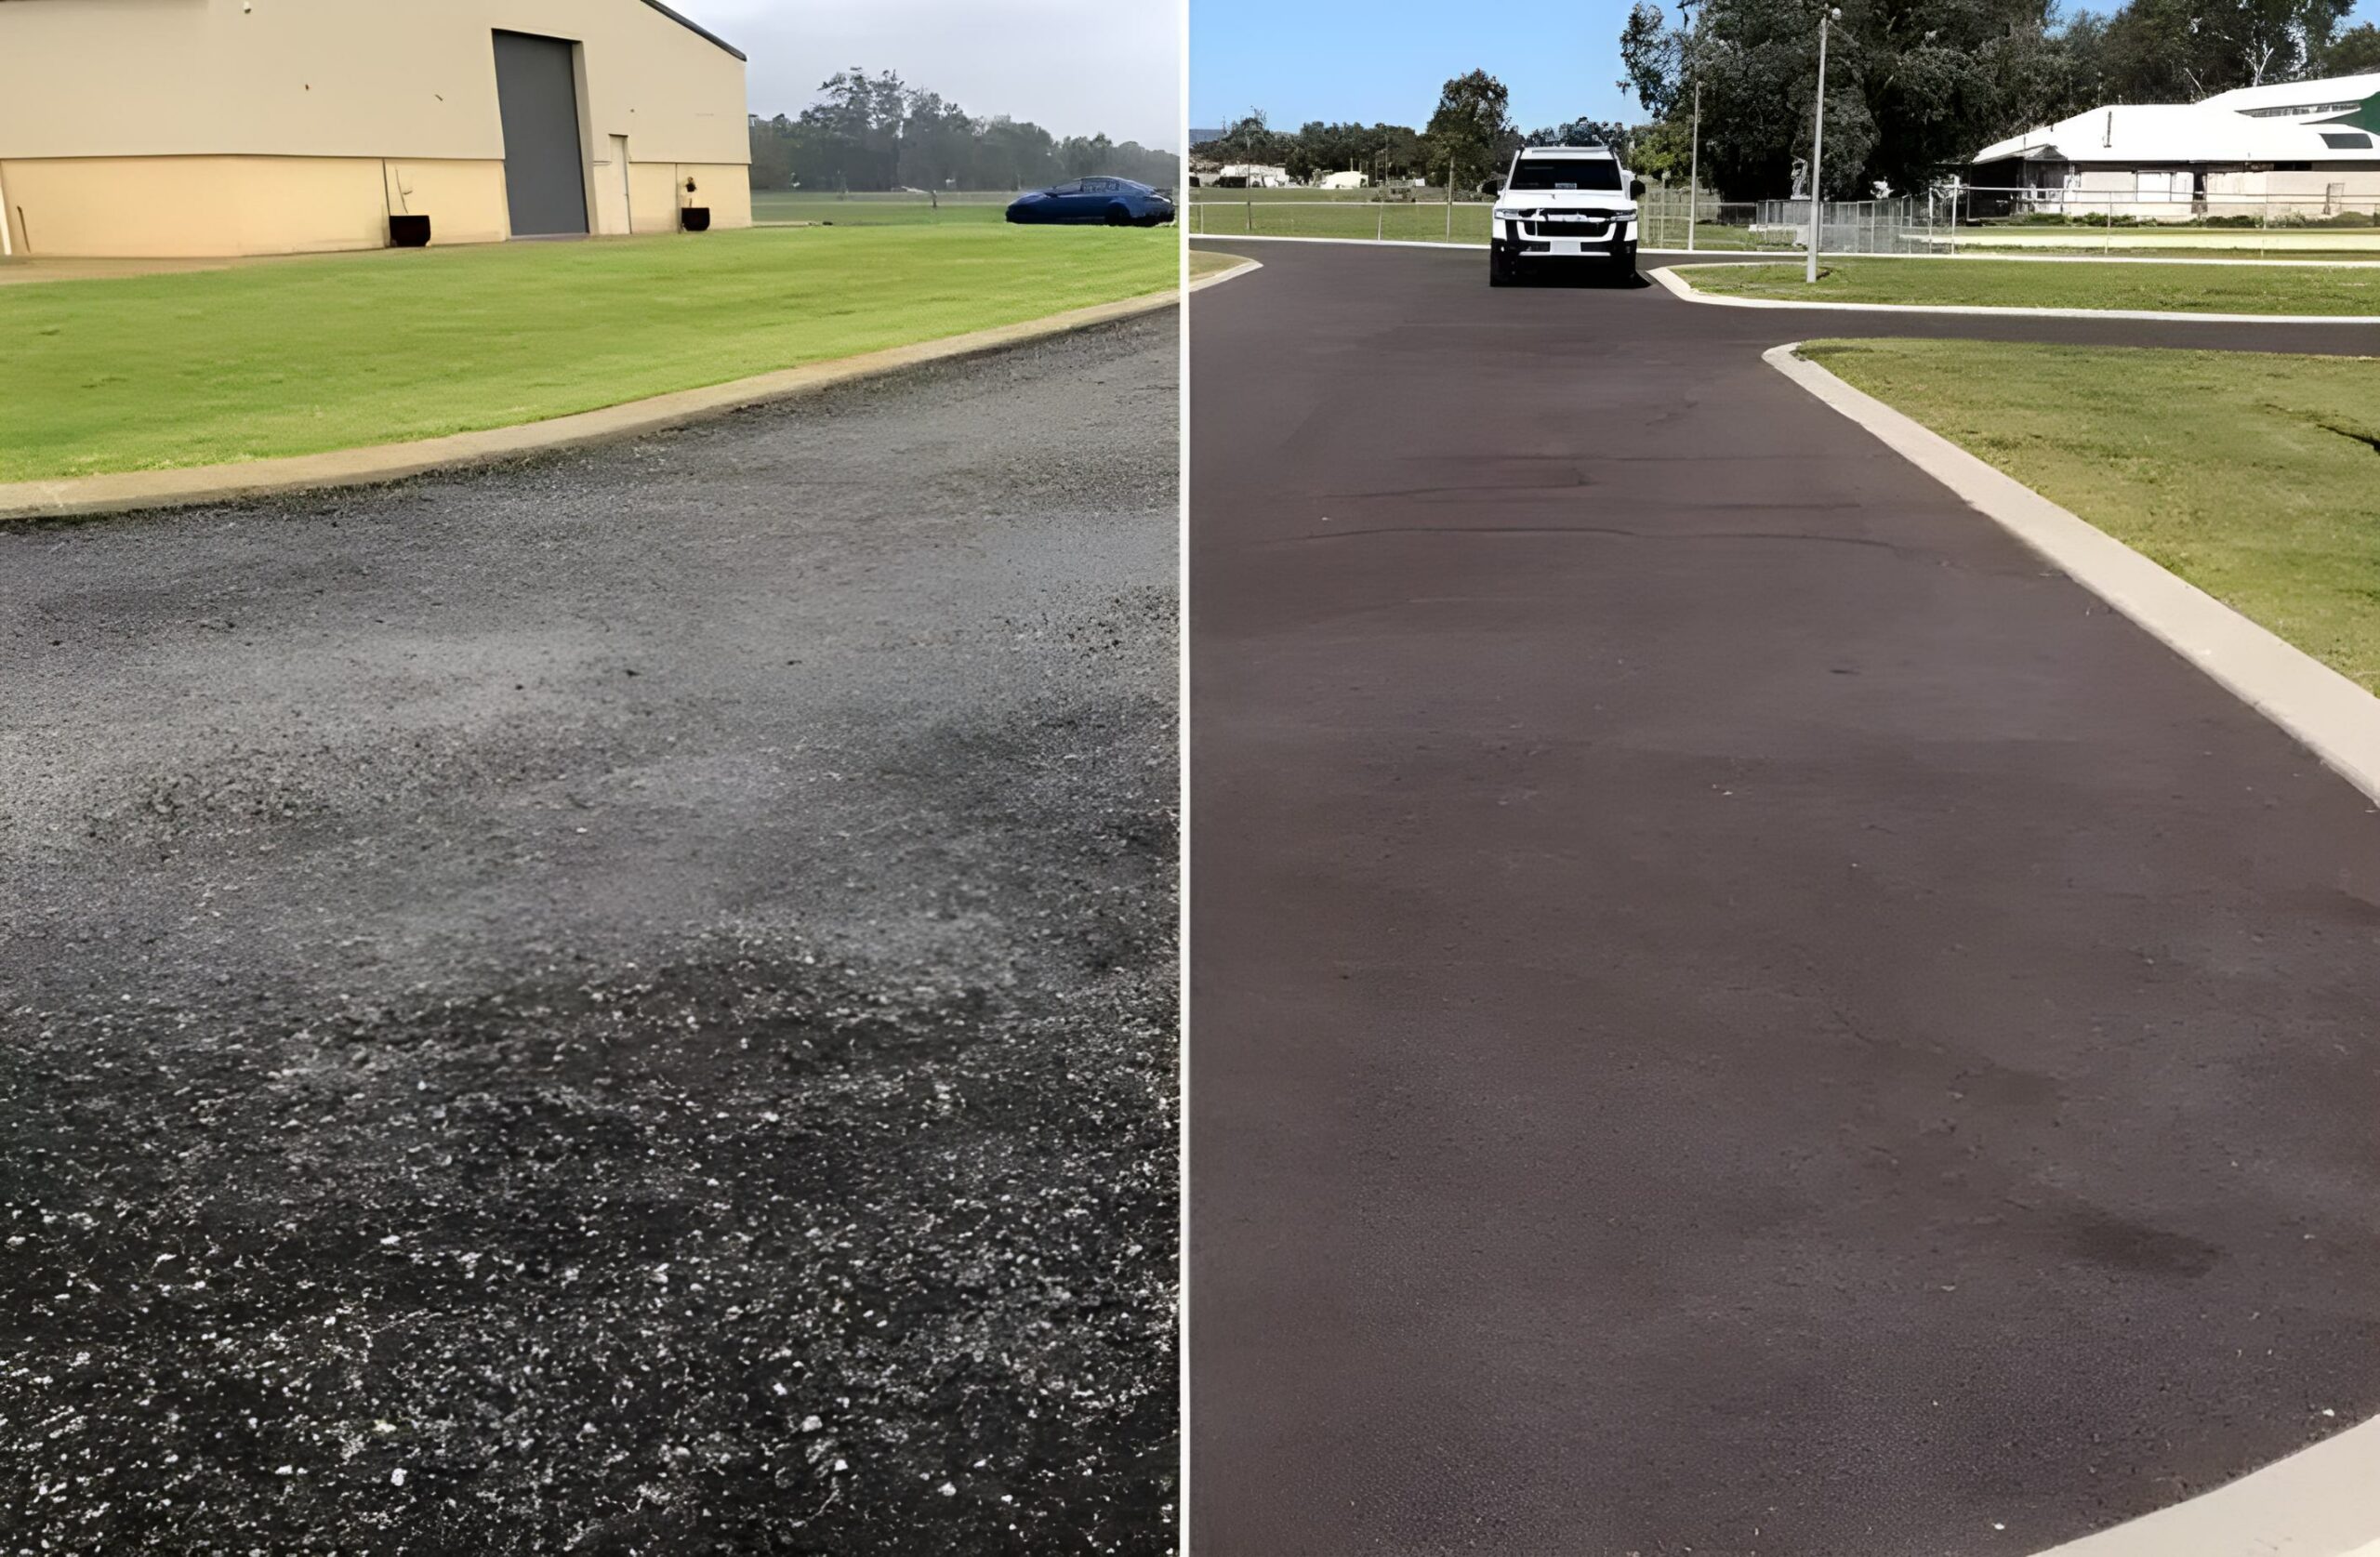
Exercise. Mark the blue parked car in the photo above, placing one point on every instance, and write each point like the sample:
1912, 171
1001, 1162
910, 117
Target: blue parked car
1110, 201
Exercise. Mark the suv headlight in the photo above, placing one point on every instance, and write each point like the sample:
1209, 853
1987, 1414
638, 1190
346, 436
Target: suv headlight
1511, 212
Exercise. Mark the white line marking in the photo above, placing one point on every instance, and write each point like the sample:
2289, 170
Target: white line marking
1686, 290
2336, 718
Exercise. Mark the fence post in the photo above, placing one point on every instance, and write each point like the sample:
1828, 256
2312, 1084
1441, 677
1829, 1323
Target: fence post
1380, 222
1251, 213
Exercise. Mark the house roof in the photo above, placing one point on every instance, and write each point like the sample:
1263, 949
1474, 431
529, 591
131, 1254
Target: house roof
691, 25
2212, 131
2328, 91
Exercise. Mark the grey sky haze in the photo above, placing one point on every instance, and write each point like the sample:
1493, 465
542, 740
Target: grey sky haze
1074, 67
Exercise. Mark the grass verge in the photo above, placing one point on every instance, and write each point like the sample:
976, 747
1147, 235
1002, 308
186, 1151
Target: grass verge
879, 210
1417, 222
1208, 262
2026, 283
2251, 475
344, 351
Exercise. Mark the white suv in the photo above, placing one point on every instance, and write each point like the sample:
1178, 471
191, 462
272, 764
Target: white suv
1573, 203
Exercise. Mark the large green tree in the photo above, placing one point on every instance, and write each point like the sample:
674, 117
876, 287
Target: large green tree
1916, 87
2352, 52
1912, 85
1471, 135
2178, 51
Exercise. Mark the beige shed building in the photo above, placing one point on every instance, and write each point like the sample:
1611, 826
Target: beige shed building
207, 127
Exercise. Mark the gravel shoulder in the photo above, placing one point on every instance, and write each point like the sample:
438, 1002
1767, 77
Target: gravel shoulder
624, 1003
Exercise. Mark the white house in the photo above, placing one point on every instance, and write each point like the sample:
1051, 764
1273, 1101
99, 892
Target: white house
1254, 175
1349, 180
2304, 150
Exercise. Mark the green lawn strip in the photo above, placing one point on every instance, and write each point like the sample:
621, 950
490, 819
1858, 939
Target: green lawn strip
781, 205
1421, 221
344, 351
2179, 251
2253, 476
1208, 262
2031, 284
1417, 222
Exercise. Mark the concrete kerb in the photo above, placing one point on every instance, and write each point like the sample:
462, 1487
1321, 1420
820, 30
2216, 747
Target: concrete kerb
1716, 259
1243, 268
2331, 715
2315, 1503
127, 491
1679, 285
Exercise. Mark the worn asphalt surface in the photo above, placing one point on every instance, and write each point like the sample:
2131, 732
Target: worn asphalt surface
1734, 1010
623, 1004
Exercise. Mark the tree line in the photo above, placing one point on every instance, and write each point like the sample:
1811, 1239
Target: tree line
1470, 136
1914, 87
876, 132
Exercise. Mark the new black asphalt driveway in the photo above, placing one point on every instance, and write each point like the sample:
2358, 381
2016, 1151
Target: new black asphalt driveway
1735, 1012
620, 1005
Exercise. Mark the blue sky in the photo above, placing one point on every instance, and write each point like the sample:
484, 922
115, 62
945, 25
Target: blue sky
1384, 60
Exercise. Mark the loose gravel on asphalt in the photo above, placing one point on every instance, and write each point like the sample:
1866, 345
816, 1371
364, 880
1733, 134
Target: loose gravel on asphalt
622, 1004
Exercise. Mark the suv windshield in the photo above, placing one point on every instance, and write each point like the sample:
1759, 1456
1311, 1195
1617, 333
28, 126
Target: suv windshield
1565, 173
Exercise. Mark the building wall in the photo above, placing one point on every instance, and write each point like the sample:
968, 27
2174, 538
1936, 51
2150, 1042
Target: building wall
153, 207
265, 129
2326, 189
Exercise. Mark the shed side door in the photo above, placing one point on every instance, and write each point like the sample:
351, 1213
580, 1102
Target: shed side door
536, 90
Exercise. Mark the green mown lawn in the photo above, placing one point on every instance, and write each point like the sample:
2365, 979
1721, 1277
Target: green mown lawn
2255, 476
2039, 284
878, 210
1325, 217
341, 351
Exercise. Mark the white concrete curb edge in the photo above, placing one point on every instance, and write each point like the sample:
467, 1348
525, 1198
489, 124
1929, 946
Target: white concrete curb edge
2333, 717
2315, 1503
1686, 290
1222, 276
133, 491
1366, 243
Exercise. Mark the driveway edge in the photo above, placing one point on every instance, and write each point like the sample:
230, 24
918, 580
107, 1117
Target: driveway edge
127, 491
2333, 716
1679, 285
2315, 1503
1222, 276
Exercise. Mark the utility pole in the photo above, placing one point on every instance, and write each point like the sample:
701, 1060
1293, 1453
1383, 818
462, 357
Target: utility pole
1818, 148
1694, 167
1693, 151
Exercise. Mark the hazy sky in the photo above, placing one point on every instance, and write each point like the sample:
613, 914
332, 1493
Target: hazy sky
1378, 60
1074, 67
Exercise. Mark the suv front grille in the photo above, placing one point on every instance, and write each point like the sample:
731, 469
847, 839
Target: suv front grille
1547, 225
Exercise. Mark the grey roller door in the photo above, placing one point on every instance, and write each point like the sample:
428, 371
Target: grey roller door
536, 92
